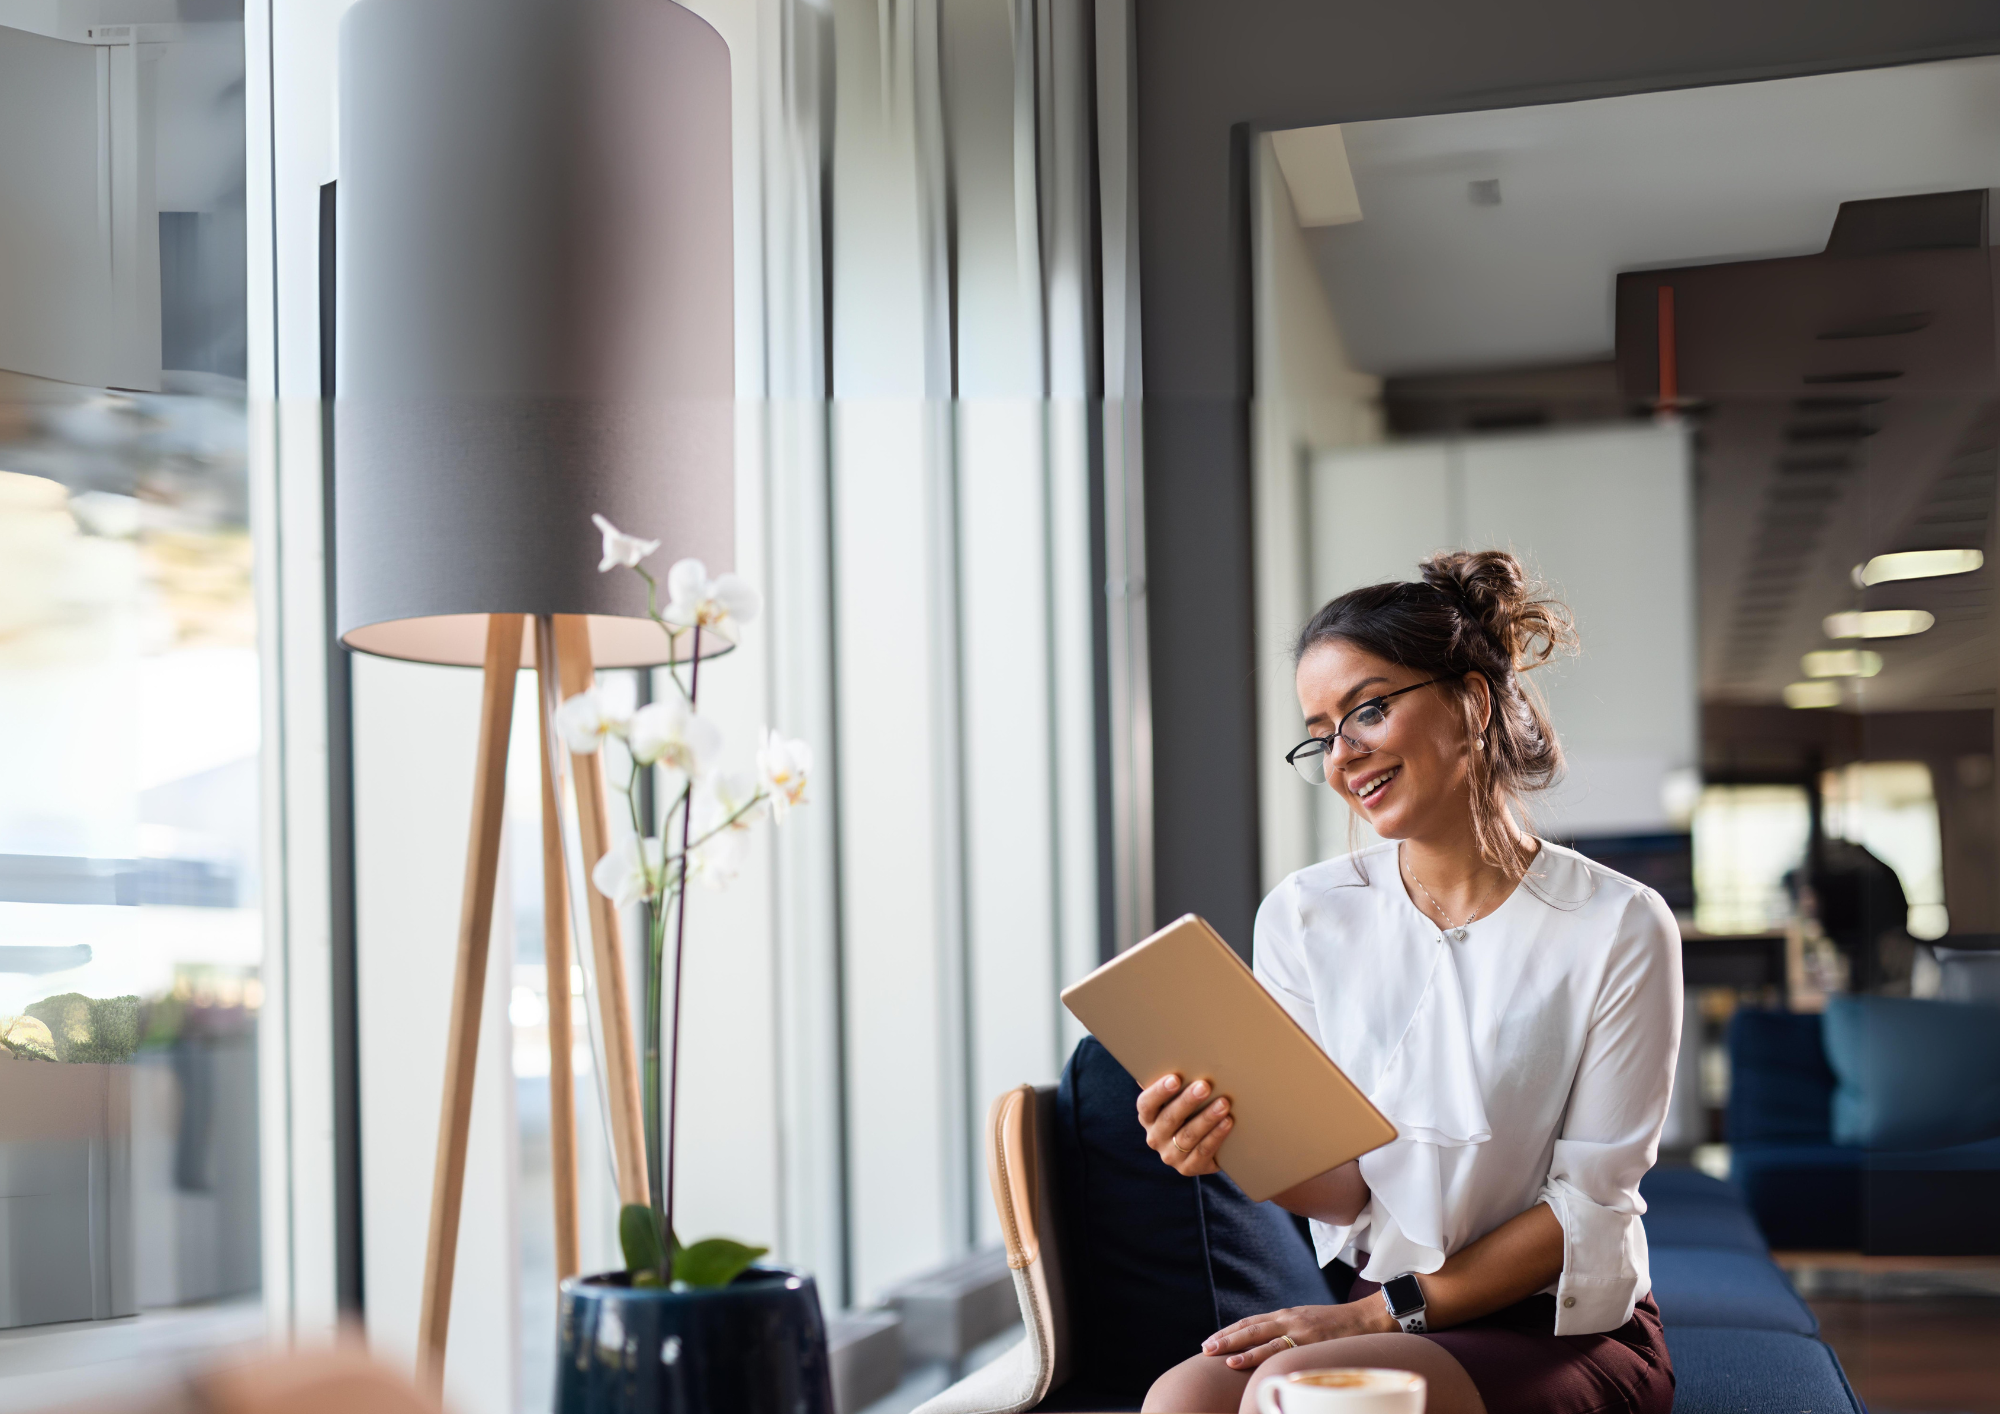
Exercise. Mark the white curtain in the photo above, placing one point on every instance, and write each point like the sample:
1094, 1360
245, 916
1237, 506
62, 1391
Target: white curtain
948, 516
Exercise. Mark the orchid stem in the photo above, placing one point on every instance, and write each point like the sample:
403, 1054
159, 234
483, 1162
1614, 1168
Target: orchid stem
665, 1203
649, 1070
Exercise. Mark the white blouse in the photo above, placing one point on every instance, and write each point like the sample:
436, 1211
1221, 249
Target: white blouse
1527, 1059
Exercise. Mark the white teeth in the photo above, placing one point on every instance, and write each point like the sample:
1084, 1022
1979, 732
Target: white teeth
1375, 785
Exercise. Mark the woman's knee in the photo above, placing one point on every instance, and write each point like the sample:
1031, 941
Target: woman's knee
1200, 1384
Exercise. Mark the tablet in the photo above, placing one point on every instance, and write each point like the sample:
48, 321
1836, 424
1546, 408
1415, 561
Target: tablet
1183, 1002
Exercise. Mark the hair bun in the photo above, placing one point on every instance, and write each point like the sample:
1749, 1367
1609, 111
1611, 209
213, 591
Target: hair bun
1509, 606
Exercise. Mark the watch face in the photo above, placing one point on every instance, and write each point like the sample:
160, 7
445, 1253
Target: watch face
1405, 1294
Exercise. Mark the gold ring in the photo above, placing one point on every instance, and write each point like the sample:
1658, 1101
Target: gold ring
1288, 1340
1177, 1143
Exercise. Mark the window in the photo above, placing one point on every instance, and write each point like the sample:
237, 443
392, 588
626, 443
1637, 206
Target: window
1890, 809
130, 927
1746, 839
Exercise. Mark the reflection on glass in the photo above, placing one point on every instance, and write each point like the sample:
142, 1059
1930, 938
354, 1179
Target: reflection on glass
1719, 363
130, 930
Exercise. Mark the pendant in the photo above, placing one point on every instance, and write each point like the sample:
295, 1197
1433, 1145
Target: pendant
1457, 935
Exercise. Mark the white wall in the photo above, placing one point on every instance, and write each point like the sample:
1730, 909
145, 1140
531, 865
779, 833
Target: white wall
1605, 516
1310, 398
413, 734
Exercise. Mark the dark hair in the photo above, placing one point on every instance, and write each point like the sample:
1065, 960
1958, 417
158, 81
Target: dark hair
1472, 612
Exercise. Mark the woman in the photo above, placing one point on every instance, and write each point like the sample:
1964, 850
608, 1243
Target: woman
1512, 1006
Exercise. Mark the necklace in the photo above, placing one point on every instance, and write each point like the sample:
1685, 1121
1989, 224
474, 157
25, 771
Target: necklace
1456, 934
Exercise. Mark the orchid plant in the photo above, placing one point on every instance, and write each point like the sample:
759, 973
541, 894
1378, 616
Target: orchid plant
705, 835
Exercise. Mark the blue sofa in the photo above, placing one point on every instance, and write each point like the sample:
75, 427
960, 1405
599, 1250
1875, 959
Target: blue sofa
1740, 1337
1154, 1261
1811, 1194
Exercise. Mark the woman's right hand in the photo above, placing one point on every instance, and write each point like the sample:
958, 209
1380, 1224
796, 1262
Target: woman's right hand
1185, 1126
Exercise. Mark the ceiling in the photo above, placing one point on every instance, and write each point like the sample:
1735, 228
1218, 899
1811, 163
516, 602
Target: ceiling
1428, 281
1484, 314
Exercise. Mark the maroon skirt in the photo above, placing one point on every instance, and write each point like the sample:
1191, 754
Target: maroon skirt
1521, 1366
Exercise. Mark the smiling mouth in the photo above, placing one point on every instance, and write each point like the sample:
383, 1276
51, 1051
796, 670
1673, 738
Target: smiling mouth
1373, 786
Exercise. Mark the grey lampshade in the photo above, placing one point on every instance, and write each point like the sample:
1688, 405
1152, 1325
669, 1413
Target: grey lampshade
535, 316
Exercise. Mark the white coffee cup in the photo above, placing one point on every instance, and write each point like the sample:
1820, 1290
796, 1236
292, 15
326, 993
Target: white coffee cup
1356, 1391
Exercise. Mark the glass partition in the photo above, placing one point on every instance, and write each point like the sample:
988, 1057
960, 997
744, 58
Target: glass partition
1719, 365
132, 876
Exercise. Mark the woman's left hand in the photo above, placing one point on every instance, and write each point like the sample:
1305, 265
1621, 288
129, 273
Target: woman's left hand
1254, 1339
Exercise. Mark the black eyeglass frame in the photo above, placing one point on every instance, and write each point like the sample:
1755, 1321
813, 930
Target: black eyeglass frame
1322, 745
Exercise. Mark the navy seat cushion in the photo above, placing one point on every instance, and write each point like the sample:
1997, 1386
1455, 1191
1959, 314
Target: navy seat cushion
1805, 1196
1928, 1202
1780, 1085
1712, 1286
1912, 1074
1674, 1187
1729, 1371
1155, 1262
1701, 1220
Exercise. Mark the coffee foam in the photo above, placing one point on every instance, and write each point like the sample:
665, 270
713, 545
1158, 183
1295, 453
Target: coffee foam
1383, 1380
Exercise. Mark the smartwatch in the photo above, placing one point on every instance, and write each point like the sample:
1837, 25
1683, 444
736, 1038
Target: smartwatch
1404, 1297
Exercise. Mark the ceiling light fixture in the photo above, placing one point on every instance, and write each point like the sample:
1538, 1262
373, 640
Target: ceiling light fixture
1812, 694
1877, 623
1917, 564
1841, 663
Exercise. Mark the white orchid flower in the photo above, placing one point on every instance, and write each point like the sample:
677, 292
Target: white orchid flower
674, 735
726, 808
632, 871
783, 764
713, 605
620, 548
585, 720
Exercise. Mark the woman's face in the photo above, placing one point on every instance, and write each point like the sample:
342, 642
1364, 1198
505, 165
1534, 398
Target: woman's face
1417, 781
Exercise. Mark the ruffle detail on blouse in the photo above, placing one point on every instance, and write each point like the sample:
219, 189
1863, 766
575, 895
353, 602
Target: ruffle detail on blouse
1430, 1086
1430, 1089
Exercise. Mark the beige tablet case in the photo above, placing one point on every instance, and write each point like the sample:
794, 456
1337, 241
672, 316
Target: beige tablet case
1183, 1002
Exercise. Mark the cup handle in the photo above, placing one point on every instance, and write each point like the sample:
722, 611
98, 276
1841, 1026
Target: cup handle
1267, 1398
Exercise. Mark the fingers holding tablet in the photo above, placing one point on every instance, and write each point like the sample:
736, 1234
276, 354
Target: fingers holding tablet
1185, 1126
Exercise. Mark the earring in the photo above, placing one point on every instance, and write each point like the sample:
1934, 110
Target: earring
1480, 742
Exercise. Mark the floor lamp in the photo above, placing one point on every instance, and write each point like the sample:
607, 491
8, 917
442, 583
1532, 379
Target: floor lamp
534, 325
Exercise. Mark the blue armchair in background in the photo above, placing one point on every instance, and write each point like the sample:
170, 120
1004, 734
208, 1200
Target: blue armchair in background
1890, 1145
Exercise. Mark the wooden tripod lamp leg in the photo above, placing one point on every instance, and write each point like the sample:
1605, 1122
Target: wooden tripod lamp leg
475, 928
621, 1056
556, 954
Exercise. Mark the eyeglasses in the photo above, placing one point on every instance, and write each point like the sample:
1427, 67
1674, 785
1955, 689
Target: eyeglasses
1362, 728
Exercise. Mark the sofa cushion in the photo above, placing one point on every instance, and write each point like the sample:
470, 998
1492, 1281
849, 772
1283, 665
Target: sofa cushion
1720, 1371
1929, 1202
1679, 1186
1713, 1286
1155, 1262
1805, 1196
1912, 1074
1698, 1220
1780, 1086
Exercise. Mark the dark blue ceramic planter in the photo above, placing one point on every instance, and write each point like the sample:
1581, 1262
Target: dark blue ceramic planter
756, 1346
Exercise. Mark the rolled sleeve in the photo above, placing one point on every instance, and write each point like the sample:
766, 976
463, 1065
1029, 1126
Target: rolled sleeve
1611, 1132
1605, 1270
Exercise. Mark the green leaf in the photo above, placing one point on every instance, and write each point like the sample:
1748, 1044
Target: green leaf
713, 1261
639, 1237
